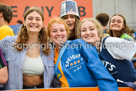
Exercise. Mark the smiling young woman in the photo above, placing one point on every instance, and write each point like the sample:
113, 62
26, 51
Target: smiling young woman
115, 53
30, 60
118, 28
76, 66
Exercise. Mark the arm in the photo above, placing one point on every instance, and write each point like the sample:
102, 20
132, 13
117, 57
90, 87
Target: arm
7, 43
120, 49
3, 75
105, 81
3, 69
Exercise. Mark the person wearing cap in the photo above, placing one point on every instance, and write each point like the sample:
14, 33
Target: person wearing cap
69, 13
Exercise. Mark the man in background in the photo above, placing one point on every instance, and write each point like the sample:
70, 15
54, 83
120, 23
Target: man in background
6, 14
103, 18
19, 22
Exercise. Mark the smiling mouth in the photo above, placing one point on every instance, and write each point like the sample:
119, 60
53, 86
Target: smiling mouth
59, 38
115, 26
88, 37
33, 26
69, 25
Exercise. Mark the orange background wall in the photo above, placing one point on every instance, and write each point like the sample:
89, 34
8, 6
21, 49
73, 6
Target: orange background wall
19, 7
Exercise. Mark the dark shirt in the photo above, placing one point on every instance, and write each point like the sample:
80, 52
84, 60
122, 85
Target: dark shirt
2, 60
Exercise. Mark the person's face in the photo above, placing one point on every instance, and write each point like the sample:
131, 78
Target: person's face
33, 22
116, 23
89, 32
70, 21
58, 34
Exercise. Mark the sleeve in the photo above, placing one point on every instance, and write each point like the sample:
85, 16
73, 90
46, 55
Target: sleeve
2, 60
105, 81
5, 44
120, 48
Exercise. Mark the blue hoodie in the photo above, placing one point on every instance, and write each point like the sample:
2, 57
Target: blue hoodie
80, 66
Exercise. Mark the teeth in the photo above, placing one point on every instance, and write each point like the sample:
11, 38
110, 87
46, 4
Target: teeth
34, 25
115, 26
88, 37
58, 38
69, 24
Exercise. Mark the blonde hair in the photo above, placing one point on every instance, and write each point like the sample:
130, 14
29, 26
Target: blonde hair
23, 34
95, 22
56, 20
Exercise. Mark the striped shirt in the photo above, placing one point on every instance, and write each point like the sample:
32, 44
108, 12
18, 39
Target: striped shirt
2, 60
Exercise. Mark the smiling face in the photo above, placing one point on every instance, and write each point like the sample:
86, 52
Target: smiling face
33, 22
70, 21
89, 32
117, 23
58, 33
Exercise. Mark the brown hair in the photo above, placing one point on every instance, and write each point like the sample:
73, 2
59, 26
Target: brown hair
124, 30
103, 18
72, 35
23, 34
7, 12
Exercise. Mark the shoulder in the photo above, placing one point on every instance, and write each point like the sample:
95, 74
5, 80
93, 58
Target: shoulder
113, 40
7, 42
78, 43
81, 41
6, 28
81, 44
10, 38
127, 37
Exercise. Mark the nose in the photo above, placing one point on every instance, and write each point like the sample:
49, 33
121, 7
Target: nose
33, 21
69, 19
88, 31
58, 33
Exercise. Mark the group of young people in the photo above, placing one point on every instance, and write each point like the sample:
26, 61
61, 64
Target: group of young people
82, 57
